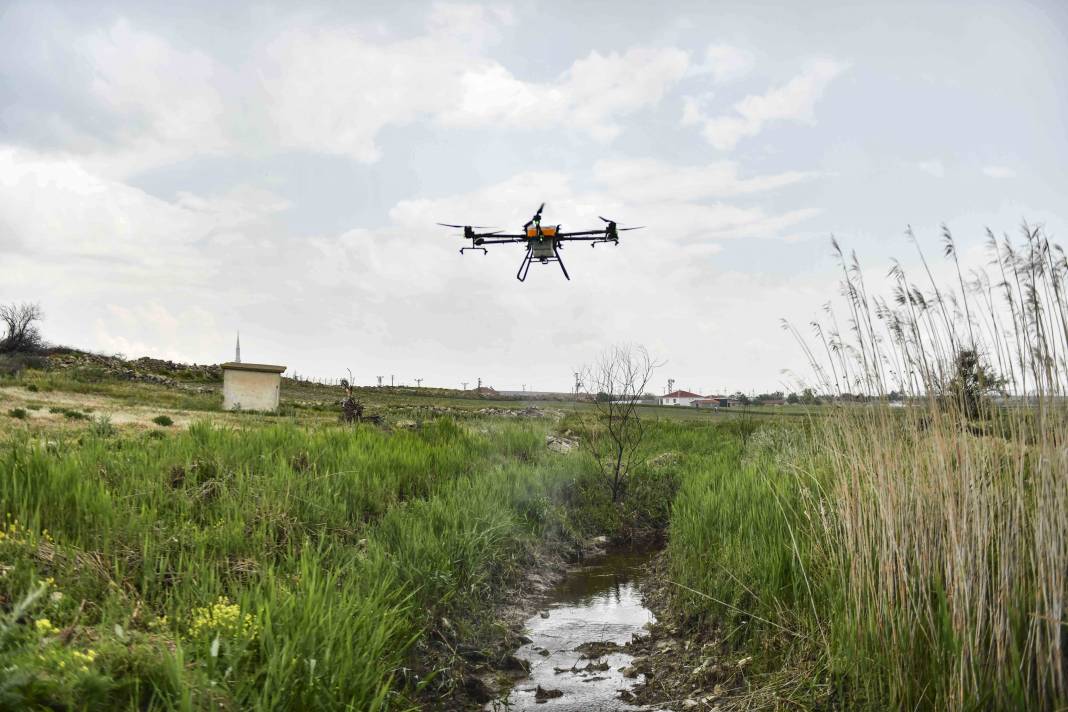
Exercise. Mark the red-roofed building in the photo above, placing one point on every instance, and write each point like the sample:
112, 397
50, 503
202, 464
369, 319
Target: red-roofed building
679, 398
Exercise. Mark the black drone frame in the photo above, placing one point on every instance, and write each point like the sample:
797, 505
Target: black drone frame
544, 248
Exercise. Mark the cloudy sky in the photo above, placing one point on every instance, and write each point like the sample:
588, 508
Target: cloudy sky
171, 173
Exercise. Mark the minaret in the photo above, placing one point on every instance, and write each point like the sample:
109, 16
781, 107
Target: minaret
237, 355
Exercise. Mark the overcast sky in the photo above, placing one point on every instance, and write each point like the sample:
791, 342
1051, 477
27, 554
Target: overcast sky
171, 173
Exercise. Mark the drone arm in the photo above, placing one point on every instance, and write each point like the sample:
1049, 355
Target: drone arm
500, 239
580, 235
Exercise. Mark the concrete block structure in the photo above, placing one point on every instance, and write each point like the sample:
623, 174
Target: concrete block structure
251, 386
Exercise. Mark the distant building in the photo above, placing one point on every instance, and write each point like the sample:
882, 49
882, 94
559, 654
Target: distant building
714, 402
251, 386
679, 398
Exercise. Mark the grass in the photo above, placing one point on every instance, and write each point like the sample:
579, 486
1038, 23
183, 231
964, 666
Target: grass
903, 558
343, 548
283, 564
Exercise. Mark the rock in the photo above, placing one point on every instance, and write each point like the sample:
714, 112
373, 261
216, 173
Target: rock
542, 694
544, 653
524, 640
689, 703
514, 664
559, 444
627, 696
544, 614
596, 649
665, 459
630, 671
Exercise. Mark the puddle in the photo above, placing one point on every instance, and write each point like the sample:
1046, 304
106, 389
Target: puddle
598, 603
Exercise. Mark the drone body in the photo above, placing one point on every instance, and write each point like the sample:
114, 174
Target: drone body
543, 243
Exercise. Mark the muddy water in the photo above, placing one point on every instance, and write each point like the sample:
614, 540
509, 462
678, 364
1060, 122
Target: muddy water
598, 603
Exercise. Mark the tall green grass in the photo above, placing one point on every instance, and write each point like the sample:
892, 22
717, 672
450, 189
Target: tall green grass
910, 557
343, 547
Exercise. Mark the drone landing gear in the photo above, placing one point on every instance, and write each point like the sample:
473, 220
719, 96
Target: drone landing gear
464, 249
524, 266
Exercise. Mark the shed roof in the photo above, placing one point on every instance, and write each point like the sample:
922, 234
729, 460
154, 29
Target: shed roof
681, 394
259, 367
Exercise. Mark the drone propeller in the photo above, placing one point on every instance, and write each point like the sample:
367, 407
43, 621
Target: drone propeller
621, 229
536, 218
475, 227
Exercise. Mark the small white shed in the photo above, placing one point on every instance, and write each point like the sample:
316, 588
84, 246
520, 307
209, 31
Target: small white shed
251, 386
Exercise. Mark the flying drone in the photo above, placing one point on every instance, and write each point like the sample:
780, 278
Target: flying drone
543, 243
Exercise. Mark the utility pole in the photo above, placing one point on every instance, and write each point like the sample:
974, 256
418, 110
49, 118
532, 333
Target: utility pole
391, 380
419, 383
524, 388
578, 383
671, 385
379, 381
464, 384
480, 383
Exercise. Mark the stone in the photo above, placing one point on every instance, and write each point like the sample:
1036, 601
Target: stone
542, 694
559, 444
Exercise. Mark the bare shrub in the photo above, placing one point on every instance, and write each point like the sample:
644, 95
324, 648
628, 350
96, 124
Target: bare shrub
616, 382
20, 328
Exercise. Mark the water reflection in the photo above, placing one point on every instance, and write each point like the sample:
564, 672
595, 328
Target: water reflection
597, 603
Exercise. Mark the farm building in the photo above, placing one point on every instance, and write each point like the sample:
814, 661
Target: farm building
679, 398
251, 386
714, 402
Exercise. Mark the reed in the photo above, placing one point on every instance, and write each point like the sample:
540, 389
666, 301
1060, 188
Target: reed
911, 545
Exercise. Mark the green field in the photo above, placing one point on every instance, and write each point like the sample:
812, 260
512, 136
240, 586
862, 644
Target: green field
158, 553
277, 562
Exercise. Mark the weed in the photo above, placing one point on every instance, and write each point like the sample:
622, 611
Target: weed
102, 427
163, 420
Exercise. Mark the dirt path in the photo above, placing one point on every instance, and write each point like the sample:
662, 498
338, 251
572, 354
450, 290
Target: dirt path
39, 407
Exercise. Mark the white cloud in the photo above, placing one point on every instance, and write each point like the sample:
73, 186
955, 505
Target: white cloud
933, 167
725, 63
648, 180
793, 101
324, 88
472, 24
152, 329
333, 90
587, 96
165, 103
999, 172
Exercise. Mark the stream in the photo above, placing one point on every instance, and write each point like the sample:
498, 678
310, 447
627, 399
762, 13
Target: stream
598, 603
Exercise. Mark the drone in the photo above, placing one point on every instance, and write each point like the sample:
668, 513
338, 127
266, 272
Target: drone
543, 243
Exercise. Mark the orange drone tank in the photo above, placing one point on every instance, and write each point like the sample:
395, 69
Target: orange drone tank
545, 231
